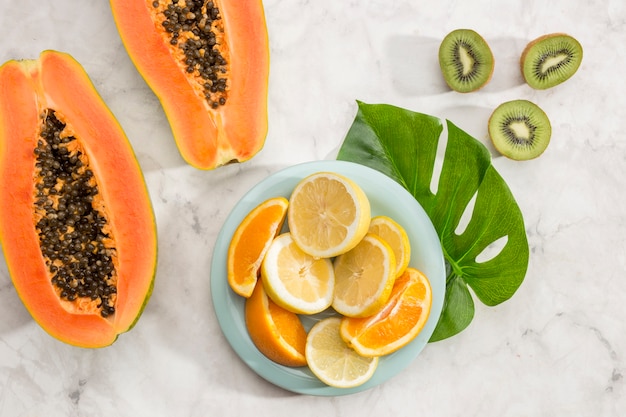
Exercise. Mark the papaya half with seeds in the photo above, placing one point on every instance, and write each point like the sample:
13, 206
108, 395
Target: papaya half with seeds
76, 221
208, 63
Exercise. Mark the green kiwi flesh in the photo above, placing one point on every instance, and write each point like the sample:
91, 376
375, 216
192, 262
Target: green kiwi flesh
550, 60
466, 60
520, 130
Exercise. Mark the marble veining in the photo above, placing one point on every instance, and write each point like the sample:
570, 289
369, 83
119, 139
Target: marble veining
557, 348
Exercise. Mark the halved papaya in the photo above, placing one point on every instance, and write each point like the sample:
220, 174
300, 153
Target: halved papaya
76, 221
208, 63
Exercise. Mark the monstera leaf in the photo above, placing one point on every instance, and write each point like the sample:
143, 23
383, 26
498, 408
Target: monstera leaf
403, 145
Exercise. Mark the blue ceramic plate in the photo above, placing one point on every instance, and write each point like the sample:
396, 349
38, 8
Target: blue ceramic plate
386, 197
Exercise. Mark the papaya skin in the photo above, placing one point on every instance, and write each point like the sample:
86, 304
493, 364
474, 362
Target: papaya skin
56, 81
207, 138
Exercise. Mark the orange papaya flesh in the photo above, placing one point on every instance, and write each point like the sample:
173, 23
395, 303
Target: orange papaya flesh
208, 63
76, 221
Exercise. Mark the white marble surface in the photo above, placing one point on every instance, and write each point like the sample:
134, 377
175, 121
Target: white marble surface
557, 348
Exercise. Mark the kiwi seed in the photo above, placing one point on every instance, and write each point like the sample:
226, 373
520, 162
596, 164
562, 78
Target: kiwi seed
466, 60
550, 60
520, 130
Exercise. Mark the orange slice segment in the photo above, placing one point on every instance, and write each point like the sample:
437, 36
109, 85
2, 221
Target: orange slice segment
250, 242
397, 323
276, 332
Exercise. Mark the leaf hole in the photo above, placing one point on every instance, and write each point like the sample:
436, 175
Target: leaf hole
442, 143
492, 250
466, 216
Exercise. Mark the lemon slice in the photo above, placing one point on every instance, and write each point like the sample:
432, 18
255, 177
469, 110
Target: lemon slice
332, 361
328, 214
396, 237
295, 280
364, 277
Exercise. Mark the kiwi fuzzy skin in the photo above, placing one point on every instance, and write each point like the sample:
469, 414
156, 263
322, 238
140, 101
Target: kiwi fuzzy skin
528, 49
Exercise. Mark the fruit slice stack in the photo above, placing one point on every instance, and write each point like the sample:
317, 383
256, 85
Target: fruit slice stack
334, 254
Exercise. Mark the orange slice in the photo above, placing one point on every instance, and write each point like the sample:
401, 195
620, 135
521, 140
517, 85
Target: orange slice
397, 323
250, 242
276, 332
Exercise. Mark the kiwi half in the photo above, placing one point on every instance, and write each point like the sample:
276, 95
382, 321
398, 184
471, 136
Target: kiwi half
520, 130
466, 60
550, 60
